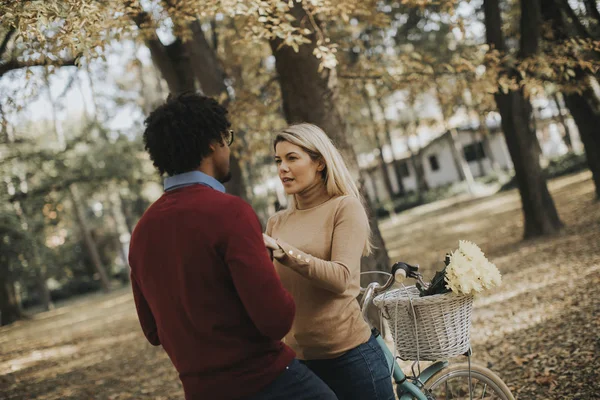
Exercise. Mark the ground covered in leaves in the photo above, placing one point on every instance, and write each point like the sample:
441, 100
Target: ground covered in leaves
540, 331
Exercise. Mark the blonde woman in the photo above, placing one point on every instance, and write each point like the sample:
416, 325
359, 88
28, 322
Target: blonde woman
317, 244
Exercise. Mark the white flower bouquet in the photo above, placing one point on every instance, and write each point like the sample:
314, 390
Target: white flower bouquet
467, 272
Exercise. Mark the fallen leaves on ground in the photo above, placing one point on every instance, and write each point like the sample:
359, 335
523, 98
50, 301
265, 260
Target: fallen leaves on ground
539, 331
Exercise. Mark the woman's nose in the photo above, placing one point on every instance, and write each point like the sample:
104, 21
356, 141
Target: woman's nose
283, 167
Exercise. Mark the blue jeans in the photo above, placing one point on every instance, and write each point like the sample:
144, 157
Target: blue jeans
359, 374
296, 382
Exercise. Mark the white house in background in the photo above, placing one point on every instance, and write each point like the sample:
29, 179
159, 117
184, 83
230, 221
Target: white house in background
439, 166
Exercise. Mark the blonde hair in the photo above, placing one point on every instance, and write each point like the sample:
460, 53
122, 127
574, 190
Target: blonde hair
336, 176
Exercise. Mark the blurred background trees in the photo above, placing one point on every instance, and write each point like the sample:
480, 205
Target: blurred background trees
424, 99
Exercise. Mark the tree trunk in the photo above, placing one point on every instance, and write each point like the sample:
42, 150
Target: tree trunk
561, 117
539, 211
475, 141
246, 166
387, 180
10, 309
128, 218
210, 74
587, 119
42, 285
584, 108
388, 136
180, 60
416, 160
382, 165
36, 259
531, 25
206, 65
311, 96
591, 6
162, 57
462, 167
181, 63
487, 146
118, 232
377, 198
89, 241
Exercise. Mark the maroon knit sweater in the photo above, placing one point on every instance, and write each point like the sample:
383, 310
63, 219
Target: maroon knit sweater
206, 290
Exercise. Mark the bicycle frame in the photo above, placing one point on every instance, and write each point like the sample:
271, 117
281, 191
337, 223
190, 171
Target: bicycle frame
413, 388
405, 388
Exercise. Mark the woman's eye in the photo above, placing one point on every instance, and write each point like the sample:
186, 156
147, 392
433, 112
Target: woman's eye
277, 162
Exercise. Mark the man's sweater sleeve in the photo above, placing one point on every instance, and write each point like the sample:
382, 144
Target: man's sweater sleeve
145, 314
269, 305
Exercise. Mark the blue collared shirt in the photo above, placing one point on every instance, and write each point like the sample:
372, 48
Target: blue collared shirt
192, 178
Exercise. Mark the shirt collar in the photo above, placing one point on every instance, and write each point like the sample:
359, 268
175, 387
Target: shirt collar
192, 178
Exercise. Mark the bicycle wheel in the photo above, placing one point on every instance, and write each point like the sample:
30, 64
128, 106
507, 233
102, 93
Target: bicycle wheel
453, 383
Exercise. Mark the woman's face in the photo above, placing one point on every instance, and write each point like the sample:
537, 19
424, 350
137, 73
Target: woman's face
297, 170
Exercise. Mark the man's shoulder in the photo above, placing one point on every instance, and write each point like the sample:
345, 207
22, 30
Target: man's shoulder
231, 207
206, 196
200, 203
235, 203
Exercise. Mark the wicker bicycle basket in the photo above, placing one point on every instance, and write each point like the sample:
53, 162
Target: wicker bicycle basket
443, 323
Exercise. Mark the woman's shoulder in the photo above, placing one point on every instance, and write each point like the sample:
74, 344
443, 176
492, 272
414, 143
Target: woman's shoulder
348, 202
276, 216
274, 219
349, 205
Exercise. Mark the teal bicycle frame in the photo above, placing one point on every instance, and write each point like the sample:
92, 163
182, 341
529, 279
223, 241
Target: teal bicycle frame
414, 387
406, 389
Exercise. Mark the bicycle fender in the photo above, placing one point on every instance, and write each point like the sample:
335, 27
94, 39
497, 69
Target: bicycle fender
432, 370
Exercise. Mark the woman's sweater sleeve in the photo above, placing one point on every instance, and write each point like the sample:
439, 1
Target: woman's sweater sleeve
350, 232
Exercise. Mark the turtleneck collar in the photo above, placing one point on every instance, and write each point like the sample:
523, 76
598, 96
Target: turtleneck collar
312, 196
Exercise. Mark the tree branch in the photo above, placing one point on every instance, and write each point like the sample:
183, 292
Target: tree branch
493, 25
350, 76
265, 87
414, 17
593, 12
5, 41
531, 20
14, 64
158, 51
575, 22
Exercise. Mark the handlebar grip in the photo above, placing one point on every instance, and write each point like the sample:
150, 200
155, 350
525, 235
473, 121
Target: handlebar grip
400, 275
410, 271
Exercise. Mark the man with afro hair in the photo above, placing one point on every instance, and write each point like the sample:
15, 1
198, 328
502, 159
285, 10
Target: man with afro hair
204, 285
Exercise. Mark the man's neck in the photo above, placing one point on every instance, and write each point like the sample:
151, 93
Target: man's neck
207, 169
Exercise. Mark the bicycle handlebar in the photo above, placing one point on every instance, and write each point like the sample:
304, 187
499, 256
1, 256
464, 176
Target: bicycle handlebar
410, 271
400, 271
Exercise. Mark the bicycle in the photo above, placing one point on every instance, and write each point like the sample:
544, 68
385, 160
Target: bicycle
441, 379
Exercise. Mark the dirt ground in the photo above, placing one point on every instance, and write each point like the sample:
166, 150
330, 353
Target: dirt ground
540, 331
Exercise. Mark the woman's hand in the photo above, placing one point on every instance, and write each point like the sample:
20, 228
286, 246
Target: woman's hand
270, 243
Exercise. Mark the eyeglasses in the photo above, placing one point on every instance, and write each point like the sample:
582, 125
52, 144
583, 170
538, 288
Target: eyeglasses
228, 137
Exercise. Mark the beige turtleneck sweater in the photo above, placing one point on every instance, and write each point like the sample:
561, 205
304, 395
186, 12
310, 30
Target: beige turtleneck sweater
321, 245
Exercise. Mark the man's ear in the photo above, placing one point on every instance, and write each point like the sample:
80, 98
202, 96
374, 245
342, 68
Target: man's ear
213, 145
